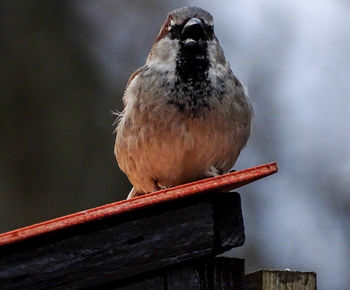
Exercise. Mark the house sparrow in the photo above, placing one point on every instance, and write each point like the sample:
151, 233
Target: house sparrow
186, 116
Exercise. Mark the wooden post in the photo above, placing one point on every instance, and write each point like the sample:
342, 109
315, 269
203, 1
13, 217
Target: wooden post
280, 280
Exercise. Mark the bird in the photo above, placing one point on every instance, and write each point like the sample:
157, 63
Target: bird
186, 115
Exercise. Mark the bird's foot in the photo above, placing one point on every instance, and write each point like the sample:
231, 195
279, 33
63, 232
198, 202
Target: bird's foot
162, 187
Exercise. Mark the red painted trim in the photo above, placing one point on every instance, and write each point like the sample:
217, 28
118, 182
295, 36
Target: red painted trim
223, 182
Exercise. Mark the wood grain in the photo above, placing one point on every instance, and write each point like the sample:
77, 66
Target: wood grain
280, 280
217, 273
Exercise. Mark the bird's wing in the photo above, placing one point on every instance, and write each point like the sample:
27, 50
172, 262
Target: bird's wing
133, 75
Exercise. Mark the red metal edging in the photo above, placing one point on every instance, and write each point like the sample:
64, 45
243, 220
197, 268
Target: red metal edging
225, 182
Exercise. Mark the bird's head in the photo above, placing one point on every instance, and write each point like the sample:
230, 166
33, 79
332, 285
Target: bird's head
186, 42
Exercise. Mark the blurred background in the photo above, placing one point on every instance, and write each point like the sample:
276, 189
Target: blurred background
63, 68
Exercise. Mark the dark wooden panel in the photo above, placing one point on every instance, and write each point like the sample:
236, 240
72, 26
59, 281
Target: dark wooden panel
153, 283
202, 274
228, 274
185, 277
229, 231
119, 247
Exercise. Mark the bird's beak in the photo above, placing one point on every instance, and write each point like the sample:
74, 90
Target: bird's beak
193, 31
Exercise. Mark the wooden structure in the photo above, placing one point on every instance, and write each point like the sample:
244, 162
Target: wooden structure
165, 240
280, 280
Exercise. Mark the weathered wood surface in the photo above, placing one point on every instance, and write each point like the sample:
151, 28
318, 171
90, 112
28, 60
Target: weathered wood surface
203, 274
109, 249
280, 280
224, 182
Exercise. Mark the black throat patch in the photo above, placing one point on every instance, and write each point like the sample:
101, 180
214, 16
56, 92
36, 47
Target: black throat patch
192, 88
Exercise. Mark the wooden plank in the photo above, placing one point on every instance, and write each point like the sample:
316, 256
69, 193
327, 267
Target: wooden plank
186, 277
203, 274
228, 230
149, 283
223, 182
280, 280
228, 274
110, 249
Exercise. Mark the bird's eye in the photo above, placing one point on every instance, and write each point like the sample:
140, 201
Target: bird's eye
171, 25
175, 31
